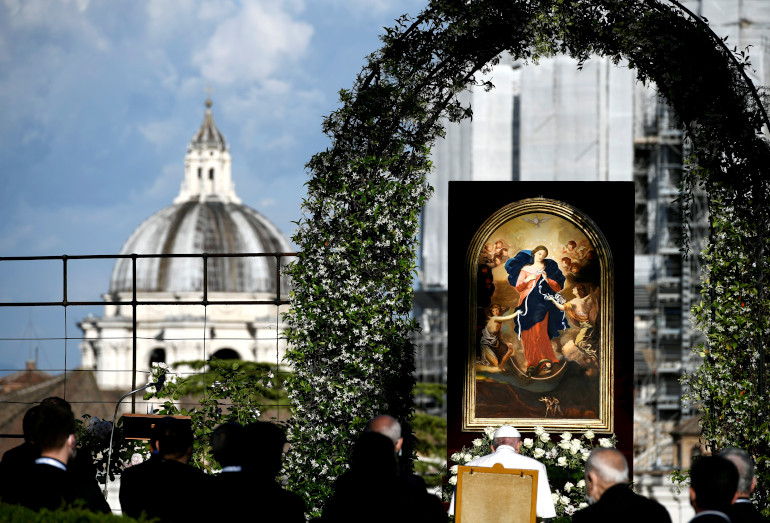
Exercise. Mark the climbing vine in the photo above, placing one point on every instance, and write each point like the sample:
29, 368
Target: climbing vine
349, 320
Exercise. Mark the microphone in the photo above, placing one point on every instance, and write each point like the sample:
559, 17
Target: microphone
158, 386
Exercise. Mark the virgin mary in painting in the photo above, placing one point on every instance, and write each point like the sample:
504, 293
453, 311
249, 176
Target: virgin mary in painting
538, 281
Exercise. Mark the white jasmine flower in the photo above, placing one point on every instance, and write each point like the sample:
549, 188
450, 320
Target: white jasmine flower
539, 430
453, 480
477, 442
565, 500
568, 486
490, 431
589, 434
581, 484
453, 469
528, 442
545, 437
562, 461
565, 444
467, 457
456, 457
539, 453
566, 436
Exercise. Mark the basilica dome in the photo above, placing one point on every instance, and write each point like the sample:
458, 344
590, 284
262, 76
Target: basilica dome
206, 217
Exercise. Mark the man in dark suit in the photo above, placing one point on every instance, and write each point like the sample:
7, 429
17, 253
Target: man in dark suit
246, 489
48, 483
425, 506
18, 459
743, 510
713, 484
134, 480
609, 495
166, 487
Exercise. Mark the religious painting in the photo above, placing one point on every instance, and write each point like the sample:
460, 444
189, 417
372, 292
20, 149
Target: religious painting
540, 320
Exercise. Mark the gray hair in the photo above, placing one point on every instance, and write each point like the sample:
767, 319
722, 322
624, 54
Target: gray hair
386, 425
609, 464
745, 465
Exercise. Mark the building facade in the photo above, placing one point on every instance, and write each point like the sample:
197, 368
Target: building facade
206, 217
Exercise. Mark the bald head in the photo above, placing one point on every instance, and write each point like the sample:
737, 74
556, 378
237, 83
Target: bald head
387, 426
605, 467
745, 465
609, 465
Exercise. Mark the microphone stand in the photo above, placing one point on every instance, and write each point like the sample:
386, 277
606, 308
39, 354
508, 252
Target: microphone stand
158, 385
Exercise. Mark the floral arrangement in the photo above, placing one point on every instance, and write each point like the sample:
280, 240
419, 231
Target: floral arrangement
564, 461
228, 390
93, 437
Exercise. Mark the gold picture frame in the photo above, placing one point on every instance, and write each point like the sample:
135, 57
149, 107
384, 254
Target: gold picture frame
563, 320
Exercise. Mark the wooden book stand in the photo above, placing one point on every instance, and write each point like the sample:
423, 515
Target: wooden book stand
495, 495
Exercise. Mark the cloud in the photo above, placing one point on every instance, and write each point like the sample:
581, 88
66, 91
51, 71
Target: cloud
10, 239
160, 133
166, 182
375, 8
254, 43
63, 20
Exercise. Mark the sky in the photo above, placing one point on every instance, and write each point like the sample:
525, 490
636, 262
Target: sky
99, 100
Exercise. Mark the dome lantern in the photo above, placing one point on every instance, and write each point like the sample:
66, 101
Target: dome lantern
208, 174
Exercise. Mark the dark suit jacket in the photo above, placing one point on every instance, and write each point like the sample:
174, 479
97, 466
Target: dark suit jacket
620, 503
45, 486
745, 511
244, 496
401, 499
165, 489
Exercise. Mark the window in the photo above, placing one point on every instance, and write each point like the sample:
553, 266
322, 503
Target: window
225, 354
157, 356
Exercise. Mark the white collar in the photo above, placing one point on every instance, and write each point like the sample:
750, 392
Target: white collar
50, 461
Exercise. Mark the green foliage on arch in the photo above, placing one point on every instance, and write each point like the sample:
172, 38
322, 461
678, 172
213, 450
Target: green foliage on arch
350, 322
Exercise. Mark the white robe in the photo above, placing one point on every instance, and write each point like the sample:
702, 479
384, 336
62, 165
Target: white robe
510, 459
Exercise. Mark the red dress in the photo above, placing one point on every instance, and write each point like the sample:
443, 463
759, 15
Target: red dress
535, 340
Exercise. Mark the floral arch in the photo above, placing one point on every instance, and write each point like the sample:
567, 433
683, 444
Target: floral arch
350, 322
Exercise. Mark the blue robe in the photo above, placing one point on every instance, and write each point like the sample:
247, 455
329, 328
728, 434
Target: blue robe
535, 305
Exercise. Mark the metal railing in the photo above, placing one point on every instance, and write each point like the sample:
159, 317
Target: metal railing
11, 397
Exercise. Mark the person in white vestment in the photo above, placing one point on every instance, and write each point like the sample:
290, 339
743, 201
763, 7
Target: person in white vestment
505, 450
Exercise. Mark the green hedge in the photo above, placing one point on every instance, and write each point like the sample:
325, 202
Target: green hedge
18, 513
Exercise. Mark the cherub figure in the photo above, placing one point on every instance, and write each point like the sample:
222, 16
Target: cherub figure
551, 405
582, 311
494, 351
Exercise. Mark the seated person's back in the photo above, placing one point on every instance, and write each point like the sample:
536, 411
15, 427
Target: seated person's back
165, 486
251, 458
